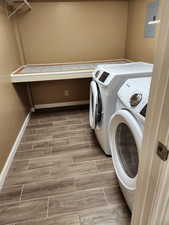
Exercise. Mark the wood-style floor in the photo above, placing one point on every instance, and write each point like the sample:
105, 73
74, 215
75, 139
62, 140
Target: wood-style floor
61, 177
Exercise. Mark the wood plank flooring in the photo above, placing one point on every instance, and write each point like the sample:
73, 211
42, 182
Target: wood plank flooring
60, 176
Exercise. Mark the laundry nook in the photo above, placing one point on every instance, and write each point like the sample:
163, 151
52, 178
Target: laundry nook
83, 112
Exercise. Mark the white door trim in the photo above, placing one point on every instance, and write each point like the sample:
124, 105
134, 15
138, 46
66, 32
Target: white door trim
152, 195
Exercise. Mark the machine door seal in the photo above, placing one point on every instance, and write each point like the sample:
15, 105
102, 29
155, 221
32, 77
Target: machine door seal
125, 139
95, 111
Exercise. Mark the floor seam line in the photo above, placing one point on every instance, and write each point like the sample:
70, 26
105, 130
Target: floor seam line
108, 203
48, 207
21, 192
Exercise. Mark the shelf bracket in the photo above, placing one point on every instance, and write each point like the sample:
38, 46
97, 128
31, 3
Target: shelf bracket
17, 6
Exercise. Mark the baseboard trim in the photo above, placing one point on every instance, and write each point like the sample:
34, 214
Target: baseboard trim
61, 104
10, 158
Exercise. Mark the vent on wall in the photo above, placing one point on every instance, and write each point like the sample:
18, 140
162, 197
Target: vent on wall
17, 7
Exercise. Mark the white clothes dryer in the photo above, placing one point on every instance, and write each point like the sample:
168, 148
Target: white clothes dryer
126, 133
107, 79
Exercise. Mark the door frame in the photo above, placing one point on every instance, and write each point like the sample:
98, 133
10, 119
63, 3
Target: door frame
152, 195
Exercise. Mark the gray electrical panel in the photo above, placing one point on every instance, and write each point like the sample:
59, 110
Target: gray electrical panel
151, 15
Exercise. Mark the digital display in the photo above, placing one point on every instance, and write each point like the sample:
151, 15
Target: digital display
104, 76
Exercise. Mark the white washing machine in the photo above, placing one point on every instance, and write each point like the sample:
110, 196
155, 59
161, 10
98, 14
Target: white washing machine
126, 133
106, 82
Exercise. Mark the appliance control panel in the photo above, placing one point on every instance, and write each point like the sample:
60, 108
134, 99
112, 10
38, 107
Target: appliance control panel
134, 93
101, 76
103, 72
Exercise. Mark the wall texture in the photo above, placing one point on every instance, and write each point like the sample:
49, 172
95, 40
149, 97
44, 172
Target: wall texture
12, 109
77, 89
138, 47
71, 31
74, 31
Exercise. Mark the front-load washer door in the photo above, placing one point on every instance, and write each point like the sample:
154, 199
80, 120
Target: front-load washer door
125, 139
95, 110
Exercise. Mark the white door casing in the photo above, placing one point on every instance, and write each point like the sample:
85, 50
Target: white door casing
152, 195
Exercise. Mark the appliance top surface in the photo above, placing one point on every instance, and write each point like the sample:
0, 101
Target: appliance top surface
127, 68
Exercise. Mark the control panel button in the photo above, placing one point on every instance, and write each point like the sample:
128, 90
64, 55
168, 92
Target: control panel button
97, 73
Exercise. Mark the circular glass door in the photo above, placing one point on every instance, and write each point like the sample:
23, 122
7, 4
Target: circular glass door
127, 149
125, 140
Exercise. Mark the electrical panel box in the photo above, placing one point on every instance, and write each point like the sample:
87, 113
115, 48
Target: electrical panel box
151, 15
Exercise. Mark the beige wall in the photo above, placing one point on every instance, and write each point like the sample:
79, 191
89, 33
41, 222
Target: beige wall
71, 31
74, 31
12, 110
77, 89
138, 47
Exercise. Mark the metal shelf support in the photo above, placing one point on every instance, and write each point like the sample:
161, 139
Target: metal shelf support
17, 6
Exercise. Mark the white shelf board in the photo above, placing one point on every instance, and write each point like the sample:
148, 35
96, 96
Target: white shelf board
35, 72
33, 77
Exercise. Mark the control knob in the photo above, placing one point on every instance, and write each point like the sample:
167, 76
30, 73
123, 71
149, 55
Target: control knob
135, 99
